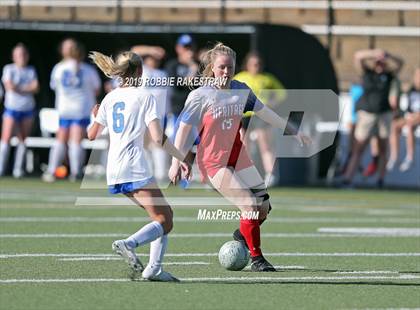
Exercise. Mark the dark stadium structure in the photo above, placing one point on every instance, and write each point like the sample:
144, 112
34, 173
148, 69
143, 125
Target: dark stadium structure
297, 58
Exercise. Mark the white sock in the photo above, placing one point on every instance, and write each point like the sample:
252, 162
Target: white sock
56, 156
19, 158
145, 235
160, 160
76, 156
157, 251
4, 156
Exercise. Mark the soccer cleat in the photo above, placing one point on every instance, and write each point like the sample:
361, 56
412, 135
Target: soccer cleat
129, 255
260, 264
238, 237
163, 276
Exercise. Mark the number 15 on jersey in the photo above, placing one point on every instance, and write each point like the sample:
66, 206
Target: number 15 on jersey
227, 124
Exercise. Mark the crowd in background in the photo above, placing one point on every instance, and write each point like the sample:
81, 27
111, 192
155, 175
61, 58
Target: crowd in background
378, 118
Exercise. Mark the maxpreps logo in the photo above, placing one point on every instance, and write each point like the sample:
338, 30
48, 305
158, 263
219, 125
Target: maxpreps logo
221, 215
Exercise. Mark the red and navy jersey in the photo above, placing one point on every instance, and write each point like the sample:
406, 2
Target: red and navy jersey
217, 114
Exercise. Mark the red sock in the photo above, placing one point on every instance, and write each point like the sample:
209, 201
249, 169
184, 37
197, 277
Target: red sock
250, 229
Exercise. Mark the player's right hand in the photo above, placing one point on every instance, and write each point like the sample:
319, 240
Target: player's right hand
174, 173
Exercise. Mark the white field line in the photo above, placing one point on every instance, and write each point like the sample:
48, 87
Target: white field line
196, 202
199, 202
385, 212
36, 236
407, 216
289, 202
282, 267
287, 279
367, 272
173, 201
287, 267
348, 207
186, 263
281, 279
87, 219
279, 205
107, 258
219, 279
373, 231
76, 259
321, 234
206, 235
166, 263
278, 254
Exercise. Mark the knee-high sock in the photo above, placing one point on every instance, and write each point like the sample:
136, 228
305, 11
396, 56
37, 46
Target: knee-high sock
76, 157
4, 156
19, 158
145, 235
157, 251
250, 229
261, 221
56, 156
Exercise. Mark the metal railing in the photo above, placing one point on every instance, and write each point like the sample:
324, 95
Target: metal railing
399, 31
328, 5
408, 5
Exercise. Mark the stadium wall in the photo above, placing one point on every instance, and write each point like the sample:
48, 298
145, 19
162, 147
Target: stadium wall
298, 59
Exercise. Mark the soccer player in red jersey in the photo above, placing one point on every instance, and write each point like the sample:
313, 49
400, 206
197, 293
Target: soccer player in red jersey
222, 159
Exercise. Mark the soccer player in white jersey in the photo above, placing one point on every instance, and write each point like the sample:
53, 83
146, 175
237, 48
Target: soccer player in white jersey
128, 112
21, 83
76, 85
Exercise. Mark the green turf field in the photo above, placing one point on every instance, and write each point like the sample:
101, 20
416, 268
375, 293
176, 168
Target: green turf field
335, 249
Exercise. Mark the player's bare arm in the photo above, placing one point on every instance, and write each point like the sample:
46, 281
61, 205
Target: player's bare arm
161, 139
269, 116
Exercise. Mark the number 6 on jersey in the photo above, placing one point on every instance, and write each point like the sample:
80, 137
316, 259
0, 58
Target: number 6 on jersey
118, 117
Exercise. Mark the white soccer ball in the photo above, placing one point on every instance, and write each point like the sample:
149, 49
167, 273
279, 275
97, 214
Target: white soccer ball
233, 255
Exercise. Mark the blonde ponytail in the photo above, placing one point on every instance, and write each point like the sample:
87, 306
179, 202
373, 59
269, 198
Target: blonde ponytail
126, 64
208, 58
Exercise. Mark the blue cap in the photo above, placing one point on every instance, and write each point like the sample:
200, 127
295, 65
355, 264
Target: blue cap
185, 40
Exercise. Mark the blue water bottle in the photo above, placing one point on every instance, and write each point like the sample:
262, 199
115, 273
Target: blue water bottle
184, 183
